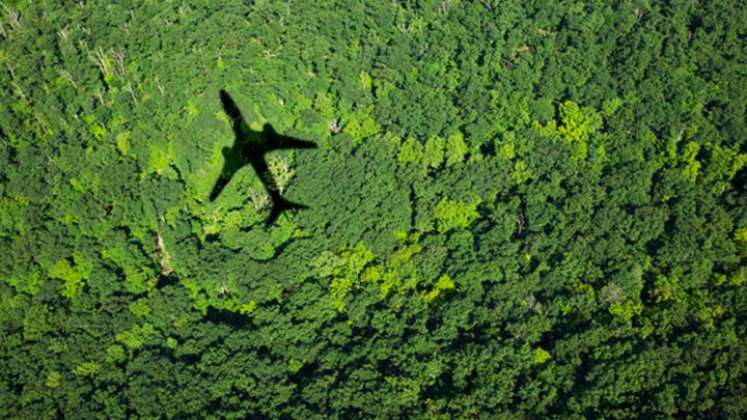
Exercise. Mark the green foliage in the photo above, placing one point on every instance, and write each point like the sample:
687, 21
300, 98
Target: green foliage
361, 125
610, 106
87, 369
53, 379
344, 269
515, 210
123, 143
29, 282
626, 310
540, 356
452, 214
397, 273
507, 151
116, 354
171, 343
444, 283
72, 276
692, 166
134, 338
140, 308
456, 149
433, 153
741, 236
521, 172
159, 159
411, 151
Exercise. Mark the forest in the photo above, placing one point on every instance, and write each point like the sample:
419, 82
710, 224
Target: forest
516, 209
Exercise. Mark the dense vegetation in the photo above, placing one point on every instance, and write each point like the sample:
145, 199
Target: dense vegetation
519, 209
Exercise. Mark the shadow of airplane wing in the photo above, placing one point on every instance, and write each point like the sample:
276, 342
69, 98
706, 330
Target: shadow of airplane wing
232, 162
226, 174
279, 205
275, 141
233, 112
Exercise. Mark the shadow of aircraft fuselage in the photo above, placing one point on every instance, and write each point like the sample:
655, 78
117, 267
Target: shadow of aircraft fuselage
250, 148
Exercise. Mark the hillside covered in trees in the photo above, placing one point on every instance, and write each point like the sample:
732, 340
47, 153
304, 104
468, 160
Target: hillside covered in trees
517, 209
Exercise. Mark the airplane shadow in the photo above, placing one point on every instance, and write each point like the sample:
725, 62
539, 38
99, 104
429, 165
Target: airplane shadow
250, 148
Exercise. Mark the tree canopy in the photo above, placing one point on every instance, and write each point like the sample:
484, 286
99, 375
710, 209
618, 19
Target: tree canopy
516, 210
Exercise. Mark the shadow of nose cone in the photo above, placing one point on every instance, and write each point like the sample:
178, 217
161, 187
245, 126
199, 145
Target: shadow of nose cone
267, 129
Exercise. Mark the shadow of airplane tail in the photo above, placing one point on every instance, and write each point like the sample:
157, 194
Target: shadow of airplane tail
279, 205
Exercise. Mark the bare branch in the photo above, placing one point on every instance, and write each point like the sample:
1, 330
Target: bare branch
334, 126
63, 34
13, 18
119, 60
260, 199
68, 77
165, 258
128, 88
102, 61
281, 172
159, 87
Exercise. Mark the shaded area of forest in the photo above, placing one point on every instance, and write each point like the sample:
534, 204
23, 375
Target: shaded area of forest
516, 209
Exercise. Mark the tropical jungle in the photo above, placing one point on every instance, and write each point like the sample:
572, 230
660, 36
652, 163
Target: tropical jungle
512, 209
